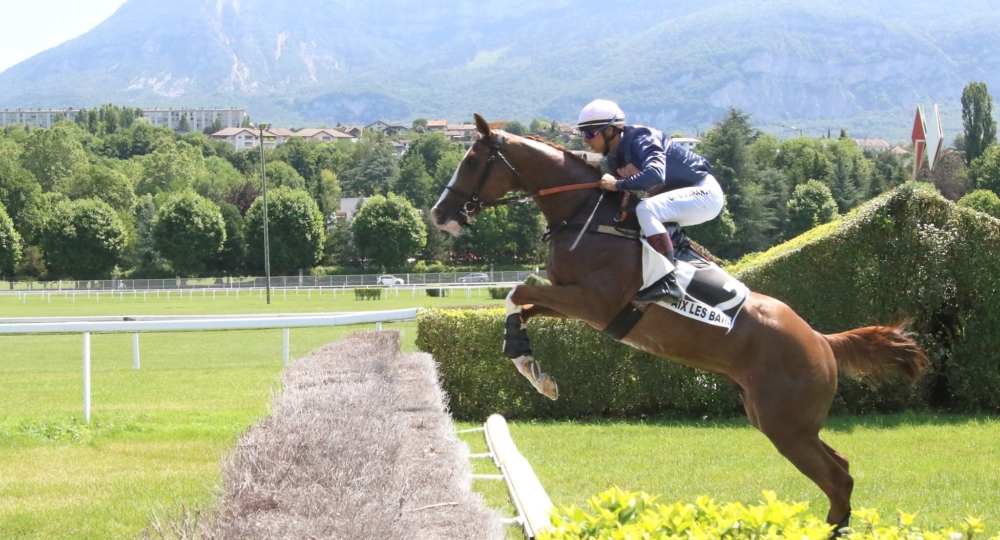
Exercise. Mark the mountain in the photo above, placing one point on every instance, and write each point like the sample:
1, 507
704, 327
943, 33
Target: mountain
819, 65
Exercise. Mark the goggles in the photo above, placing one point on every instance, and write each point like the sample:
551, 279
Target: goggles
591, 133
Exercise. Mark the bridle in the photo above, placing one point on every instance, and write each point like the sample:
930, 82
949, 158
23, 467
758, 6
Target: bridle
472, 203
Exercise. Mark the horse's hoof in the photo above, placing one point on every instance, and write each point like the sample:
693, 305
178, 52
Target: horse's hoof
549, 387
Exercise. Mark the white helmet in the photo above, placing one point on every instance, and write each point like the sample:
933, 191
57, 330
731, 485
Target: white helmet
599, 114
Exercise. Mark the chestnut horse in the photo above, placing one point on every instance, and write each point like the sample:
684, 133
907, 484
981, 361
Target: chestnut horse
784, 371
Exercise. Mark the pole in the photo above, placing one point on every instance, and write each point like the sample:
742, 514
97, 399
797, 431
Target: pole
263, 184
135, 351
86, 377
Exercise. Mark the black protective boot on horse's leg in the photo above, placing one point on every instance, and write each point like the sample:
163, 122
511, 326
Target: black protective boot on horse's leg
515, 337
840, 525
665, 287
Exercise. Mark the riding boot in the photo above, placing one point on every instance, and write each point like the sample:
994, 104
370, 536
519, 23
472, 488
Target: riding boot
665, 287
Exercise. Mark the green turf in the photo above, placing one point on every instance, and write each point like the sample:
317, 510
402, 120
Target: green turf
158, 435
941, 467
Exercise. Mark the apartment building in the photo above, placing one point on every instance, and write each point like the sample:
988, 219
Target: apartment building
198, 119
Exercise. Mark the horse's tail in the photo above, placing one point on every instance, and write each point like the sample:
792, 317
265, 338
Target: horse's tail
872, 353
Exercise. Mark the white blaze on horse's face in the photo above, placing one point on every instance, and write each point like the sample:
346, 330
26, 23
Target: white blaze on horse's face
452, 226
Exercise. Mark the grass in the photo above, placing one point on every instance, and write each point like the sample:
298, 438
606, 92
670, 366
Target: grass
158, 435
941, 467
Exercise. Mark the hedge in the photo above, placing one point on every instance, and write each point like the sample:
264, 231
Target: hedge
909, 252
372, 293
597, 376
437, 293
618, 514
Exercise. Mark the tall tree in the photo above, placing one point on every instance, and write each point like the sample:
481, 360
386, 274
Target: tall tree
977, 117
811, 204
54, 156
83, 239
985, 170
188, 230
10, 244
387, 231
295, 230
20, 193
414, 183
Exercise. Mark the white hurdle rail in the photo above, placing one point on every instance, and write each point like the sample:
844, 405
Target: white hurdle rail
139, 323
532, 503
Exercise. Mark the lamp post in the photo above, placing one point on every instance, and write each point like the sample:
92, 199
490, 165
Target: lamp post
263, 188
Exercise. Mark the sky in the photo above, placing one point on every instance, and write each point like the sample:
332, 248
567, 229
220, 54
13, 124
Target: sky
61, 21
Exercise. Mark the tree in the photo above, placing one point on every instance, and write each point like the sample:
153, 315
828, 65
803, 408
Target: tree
414, 183
950, 175
53, 156
982, 200
170, 170
329, 192
188, 230
420, 125
84, 239
219, 178
977, 118
102, 182
514, 127
10, 244
280, 174
811, 205
295, 231
888, 171
232, 256
852, 173
387, 231
20, 194
985, 170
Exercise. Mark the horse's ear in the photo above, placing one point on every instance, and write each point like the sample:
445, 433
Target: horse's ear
482, 126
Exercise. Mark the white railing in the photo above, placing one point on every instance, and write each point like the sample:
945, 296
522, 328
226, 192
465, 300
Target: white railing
277, 282
137, 324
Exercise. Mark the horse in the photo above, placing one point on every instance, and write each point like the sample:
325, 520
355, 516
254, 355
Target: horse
785, 372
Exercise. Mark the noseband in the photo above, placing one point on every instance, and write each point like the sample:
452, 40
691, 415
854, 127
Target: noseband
472, 202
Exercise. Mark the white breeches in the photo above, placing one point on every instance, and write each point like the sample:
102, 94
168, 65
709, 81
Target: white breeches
686, 206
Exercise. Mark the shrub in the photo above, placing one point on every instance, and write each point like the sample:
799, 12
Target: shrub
368, 293
596, 375
617, 514
499, 293
437, 293
982, 200
908, 252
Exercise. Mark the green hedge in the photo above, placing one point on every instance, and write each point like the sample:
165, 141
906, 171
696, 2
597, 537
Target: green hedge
368, 293
617, 514
499, 293
596, 375
907, 252
437, 293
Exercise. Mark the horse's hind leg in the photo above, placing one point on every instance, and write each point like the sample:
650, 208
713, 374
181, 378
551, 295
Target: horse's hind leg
826, 467
517, 347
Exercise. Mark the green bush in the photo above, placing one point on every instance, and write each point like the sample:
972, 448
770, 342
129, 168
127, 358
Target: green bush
982, 200
437, 293
617, 514
499, 293
596, 375
907, 252
368, 293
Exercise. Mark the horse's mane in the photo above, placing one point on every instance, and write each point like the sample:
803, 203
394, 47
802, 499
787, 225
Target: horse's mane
561, 148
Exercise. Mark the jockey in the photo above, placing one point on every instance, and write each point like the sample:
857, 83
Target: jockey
680, 182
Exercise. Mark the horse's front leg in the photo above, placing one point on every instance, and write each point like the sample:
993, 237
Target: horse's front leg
547, 300
517, 347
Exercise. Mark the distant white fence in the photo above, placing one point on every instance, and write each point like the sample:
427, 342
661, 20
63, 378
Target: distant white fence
237, 282
137, 324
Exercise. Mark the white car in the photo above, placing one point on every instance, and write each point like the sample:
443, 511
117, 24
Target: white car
390, 280
474, 278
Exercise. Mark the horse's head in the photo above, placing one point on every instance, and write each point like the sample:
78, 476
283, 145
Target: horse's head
484, 175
